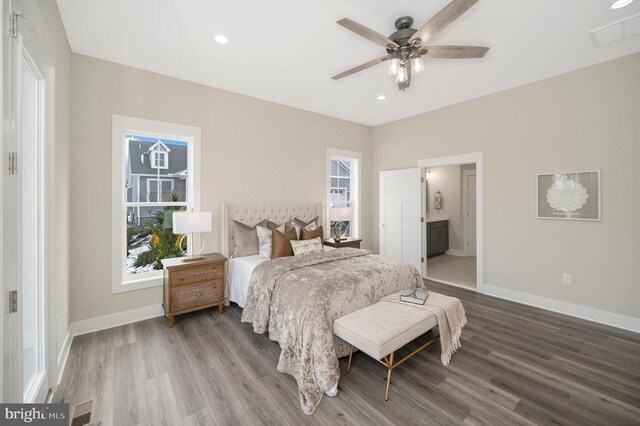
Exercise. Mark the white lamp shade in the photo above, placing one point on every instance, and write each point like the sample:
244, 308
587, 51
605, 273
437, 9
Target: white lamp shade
341, 214
191, 222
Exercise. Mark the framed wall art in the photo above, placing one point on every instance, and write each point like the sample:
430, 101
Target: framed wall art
569, 196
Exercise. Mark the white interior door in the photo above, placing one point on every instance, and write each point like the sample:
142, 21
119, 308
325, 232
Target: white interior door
401, 201
25, 369
471, 215
32, 293
11, 324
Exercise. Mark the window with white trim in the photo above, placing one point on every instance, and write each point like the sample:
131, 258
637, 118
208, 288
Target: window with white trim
156, 173
343, 210
159, 160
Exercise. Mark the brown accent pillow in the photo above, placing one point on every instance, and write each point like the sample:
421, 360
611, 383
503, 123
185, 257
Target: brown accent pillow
305, 234
246, 238
302, 223
281, 243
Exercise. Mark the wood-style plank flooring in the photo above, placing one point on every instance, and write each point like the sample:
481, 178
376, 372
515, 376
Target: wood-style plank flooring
517, 365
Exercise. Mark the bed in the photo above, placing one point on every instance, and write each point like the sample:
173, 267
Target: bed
296, 299
239, 269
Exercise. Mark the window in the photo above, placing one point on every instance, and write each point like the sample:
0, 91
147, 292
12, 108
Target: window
343, 203
155, 173
159, 160
159, 190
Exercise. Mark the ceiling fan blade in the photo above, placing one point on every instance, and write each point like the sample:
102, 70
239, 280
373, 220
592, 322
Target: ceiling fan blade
360, 67
367, 33
454, 52
404, 85
440, 20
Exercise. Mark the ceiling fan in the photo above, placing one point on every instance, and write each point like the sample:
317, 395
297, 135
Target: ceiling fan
406, 47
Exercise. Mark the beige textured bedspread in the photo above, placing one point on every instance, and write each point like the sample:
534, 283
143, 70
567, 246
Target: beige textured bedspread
298, 298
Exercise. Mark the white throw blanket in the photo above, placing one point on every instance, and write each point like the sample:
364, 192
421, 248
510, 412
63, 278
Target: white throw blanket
450, 315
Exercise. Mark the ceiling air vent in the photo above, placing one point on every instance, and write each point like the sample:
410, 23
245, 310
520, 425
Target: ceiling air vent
617, 31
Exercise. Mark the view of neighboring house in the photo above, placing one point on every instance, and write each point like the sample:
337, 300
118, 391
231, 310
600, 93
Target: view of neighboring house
341, 191
157, 172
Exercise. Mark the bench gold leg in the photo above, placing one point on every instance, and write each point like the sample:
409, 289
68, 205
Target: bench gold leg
350, 356
389, 370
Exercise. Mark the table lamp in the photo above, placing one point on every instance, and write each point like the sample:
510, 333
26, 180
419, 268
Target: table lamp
189, 223
340, 215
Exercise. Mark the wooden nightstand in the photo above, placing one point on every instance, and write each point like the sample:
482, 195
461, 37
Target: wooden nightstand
345, 242
190, 286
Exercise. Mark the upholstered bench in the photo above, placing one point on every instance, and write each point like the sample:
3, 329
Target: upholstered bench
381, 329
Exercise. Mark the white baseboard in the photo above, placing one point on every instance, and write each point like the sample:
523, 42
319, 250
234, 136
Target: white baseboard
113, 320
63, 355
455, 252
102, 323
584, 312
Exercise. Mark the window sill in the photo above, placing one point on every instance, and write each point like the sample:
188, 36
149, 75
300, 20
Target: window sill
137, 284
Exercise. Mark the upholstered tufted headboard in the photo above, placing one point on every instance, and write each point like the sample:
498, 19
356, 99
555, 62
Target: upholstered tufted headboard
252, 213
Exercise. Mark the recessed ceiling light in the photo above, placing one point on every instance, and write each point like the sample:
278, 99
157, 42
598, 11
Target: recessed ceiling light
381, 98
618, 4
222, 39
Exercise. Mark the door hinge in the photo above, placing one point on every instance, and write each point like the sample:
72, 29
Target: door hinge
13, 301
422, 219
13, 23
422, 179
422, 260
13, 163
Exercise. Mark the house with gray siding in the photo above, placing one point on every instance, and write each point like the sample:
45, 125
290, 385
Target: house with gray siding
157, 172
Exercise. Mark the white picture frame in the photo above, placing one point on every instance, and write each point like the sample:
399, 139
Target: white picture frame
589, 208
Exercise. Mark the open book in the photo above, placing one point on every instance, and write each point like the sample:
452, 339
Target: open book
414, 295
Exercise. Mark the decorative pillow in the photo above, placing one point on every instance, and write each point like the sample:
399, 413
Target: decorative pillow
309, 235
272, 225
282, 243
246, 238
302, 223
265, 240
307, 246
309, 227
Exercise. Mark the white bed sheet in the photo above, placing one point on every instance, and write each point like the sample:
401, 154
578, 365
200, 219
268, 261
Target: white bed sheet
240, 270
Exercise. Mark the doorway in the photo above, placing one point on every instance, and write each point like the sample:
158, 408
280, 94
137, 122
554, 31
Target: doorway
28, 342
453, 237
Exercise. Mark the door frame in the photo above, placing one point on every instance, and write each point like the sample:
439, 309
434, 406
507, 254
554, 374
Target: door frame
36, 49
452, 160
465, 207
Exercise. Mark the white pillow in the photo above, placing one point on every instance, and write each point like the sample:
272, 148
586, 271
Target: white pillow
265, 240
307, 246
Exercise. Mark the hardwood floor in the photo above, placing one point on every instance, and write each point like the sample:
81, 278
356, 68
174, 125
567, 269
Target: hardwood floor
517, 365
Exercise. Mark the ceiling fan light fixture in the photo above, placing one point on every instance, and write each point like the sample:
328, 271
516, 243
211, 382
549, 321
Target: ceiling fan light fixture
417, 65
401, 75
619, 4
394, 64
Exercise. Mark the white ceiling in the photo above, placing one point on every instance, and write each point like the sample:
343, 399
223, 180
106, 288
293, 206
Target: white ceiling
285, 51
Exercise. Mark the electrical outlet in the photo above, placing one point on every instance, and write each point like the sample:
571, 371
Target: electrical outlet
566, 278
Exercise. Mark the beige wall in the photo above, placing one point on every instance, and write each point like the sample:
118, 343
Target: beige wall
583, 120
446, 179
252, 150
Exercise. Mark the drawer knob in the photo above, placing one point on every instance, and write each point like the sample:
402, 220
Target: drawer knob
198, 292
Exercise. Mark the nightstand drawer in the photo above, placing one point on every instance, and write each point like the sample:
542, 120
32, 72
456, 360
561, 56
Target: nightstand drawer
192, 295
194, 275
